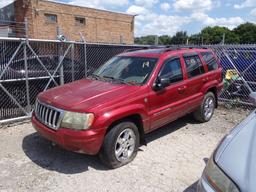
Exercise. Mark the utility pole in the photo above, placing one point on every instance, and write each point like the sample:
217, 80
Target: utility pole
156, 40
223, 38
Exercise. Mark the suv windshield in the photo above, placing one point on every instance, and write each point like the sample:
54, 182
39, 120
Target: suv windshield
130, 70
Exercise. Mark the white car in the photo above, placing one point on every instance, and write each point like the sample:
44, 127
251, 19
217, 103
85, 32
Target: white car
232, 166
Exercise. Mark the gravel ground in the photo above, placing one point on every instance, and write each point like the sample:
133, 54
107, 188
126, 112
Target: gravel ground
173, 160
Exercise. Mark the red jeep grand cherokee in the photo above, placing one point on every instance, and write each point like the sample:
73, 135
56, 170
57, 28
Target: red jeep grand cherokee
132, 94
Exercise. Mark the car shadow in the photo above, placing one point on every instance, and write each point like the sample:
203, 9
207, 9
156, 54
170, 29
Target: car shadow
53, 158
192, 188
170, 128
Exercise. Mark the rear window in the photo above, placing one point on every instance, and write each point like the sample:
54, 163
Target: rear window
210, 61
194, 66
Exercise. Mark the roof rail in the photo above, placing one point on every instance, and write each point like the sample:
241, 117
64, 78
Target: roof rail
143, 48
196, 47
135, 49
178, 47
166, 48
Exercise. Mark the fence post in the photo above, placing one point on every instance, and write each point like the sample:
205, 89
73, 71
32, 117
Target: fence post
60, 58
26, 64
72, 62
26, 73
85, 54
156, 40
26, 28
121, 39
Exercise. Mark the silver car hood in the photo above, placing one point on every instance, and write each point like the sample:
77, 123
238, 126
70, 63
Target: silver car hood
236, 155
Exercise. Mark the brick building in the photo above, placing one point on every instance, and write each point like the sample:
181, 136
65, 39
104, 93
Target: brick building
44, 17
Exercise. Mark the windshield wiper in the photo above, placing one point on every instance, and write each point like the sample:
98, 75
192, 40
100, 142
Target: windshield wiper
119, 80
126, 82
97, 77
108, 77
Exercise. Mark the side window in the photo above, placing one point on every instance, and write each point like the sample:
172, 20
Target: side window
194, 66
172, 69
210, 61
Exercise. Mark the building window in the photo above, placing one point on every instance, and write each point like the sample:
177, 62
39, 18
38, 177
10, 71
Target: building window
80, 21
50, 18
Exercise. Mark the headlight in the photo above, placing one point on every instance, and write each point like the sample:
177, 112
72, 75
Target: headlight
77, 121
217, 179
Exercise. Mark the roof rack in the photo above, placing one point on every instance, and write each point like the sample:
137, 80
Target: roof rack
178, 47
166, 48
143, 48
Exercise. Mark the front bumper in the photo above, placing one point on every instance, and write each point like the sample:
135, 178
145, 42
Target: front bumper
88, 141
203, 186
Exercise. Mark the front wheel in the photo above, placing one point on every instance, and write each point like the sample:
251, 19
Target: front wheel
205, 112
120, 145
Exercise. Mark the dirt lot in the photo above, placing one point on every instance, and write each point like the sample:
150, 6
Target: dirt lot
173, 160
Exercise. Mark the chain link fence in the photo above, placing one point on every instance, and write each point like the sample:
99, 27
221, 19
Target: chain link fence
28, 67
239, 70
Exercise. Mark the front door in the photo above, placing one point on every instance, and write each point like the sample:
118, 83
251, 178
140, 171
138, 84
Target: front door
166, 103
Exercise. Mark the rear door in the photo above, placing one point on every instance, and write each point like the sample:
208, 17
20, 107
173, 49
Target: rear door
166, 104
196, 78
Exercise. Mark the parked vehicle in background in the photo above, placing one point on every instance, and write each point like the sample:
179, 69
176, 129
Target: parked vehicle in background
132, 94
231, 167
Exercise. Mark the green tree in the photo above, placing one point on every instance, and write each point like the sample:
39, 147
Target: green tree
146, 40
246, 33
165, 40
179, 38
195, 39
214, 35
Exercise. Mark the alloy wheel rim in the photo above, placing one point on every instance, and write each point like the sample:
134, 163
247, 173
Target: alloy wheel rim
125, 145
208, 107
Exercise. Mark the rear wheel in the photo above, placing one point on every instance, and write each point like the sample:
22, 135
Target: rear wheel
120, 145
206, 110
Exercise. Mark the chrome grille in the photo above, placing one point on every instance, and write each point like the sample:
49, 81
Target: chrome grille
48, 115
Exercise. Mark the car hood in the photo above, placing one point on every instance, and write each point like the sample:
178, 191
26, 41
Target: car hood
236, 155
86, 94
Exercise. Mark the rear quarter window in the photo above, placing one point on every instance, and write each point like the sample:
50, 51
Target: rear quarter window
210, 61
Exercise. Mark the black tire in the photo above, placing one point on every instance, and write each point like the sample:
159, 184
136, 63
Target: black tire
199, 114
107, 152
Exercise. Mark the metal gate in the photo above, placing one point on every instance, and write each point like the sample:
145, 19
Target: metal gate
28, 67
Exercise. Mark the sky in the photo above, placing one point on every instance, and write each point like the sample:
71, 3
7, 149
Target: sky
166, 17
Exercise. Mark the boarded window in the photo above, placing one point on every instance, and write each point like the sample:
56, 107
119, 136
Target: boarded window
50, 18
80, 21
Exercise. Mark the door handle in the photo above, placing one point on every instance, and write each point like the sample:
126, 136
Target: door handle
205, 80
182, 89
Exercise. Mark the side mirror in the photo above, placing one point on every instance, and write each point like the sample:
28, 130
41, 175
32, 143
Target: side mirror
161, 83
253, 98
